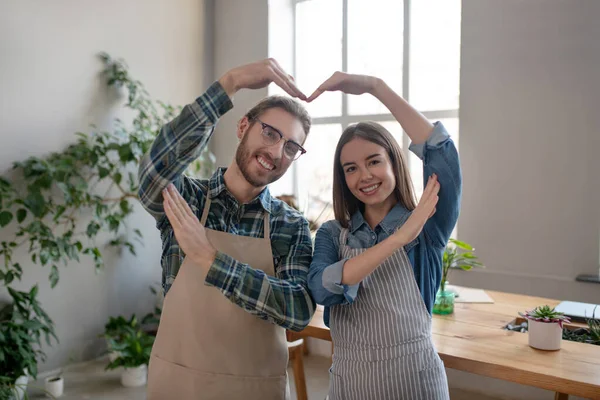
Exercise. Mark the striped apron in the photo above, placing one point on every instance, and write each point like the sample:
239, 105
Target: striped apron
383, 347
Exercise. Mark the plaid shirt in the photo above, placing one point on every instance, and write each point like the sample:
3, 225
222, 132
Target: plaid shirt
283, 300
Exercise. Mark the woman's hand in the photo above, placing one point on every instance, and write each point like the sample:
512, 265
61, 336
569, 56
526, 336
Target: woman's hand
347, 83
425, 210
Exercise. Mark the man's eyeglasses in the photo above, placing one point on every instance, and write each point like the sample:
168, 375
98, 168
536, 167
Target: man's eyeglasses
271, 136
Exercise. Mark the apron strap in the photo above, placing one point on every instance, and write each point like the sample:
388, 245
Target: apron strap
205, 211
267, 226
343, 238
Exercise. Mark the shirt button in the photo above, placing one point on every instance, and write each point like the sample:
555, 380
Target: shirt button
373, 236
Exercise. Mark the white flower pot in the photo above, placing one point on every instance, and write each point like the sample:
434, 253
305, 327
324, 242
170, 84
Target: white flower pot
134, 377
21, 387
544, 335
54, 386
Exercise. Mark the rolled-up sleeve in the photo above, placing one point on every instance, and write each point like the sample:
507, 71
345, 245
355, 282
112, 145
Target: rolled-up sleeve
283, 300
326, 269
440, 157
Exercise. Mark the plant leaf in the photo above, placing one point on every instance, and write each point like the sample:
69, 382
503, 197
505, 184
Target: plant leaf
54, 276
5, 218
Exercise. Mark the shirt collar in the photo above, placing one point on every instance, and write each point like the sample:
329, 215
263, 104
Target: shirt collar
395, 218
216, 186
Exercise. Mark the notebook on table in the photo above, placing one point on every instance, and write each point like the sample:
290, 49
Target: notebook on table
579, 311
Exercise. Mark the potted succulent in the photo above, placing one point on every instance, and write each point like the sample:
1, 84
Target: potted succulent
133, 347
457, 255
545, 326
22, 325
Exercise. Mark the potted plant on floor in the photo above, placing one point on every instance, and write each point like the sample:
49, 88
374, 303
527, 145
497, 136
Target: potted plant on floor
457, 255
133, 347
54, 385
22, 325
115, 329
545, 326
151, 320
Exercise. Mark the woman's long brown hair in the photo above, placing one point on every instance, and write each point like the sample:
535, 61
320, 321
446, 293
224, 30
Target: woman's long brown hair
344, 202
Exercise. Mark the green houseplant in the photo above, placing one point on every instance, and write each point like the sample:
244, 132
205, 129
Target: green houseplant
133, 347
23, 324
50, 197
59, 203
593, 329
545, 327
457, 255
114, 331
590, 335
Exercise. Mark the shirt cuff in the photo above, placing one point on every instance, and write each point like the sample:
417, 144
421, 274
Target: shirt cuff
214, 103
332, 281
224, 273
437, 137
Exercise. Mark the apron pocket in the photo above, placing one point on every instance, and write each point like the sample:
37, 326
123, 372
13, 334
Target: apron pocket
434, 384
167, 380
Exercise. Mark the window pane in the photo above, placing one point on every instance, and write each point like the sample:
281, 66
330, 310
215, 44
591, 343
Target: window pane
375, 47
395, 129
434, 54
284, 185
315, 172
319, 52
416, 173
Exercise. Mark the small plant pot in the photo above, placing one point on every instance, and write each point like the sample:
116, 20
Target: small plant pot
544, 335
134, 377
444, 302
20, 387
54, 386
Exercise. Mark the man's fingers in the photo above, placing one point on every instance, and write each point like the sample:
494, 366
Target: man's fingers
288, 79
282, 83
182, 205
172, 215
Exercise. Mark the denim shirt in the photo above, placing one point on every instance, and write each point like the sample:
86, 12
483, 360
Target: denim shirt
439, 156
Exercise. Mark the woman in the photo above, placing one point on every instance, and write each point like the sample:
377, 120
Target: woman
378, 265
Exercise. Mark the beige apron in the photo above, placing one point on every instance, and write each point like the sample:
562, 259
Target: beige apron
209, 348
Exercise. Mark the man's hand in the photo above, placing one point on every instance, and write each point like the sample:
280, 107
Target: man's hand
189, 232
258, 75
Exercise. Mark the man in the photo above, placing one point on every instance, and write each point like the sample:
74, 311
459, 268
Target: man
244, 276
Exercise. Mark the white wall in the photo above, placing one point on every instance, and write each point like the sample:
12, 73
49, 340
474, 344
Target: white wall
529, 99
528, 141
240, 37
51, 88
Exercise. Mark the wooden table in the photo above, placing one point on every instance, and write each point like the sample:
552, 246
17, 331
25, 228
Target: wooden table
472, 340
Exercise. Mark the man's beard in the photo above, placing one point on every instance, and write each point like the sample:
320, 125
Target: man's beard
243, 158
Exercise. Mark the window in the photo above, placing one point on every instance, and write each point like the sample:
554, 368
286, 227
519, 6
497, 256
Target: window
413, 45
